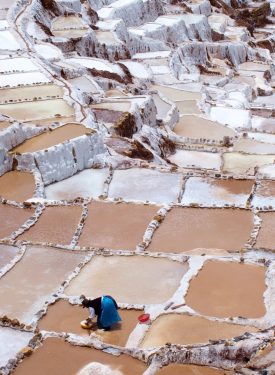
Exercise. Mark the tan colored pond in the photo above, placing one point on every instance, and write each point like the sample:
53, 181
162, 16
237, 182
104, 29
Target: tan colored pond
122, 106
225, 289
198, 127
131, 279
71, 21
48, 228
7, 253
107, 116
4, 125
266, 236
17, 186
12, 218
38, 109
175, 94
64, 317
186, 229
52, 138
116, 226
29, 93
70, 33
190, 370
185, 330
251, 146
106, 37
49, 121
114, 93
188, 107
57, 357
26, 287
238, 163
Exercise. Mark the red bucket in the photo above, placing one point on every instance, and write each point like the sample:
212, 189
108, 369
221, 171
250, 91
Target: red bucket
144, 318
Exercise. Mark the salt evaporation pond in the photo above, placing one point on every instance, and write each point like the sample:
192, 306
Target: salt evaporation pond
7, 254
145, 185
266, 236
265, 194
196, 159
60, 357
237, 163
31, 281
52, 138
225, 289
12, 218
138, 279
210, 191
87, 183
185, 330
17, 186
64, 317
174, 94
193, 126
186, 229
48, 228
190, 370
103, 229
11, 342
188, 107
31, 93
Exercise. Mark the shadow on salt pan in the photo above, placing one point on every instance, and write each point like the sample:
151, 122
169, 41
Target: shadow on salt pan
145, 185
131, 279
88, 183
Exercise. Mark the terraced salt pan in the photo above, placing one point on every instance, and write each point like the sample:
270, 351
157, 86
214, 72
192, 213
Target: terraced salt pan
190, 370
238, 163
266, 236
196, 159
121, 106
185, 330
160, 278
59, 357
67, 22
235, 118
225, 289
210, 191
137, 70
21, 64
192, 126
103, 229
27, 286
162, 107
64, 317
263, 124
107, 116
30, 93
17, 186
84, 84
7, 253
48, 51
267, 171
106, 37
12, 341
52, 138
174, 94
37, 109
70, 33
145, 185
185, 229
12, 218
88, 183
97, 64
188, 107
265, 194
252, 146
8, 41
28, 78
48, 228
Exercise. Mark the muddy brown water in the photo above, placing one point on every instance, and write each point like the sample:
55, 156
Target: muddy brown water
233, 186
186, 229
225, 289
116, 226
7, 253
130, 279
57, 357
40, 272
197, 127
55, 225
37, 109
191, 370
17, 186
29, 93
64, 317
12, 218
266, 236
52, 138
184, 329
